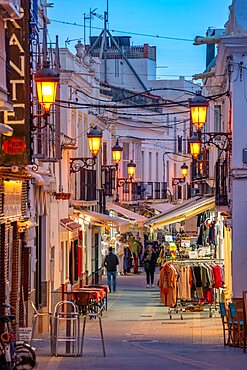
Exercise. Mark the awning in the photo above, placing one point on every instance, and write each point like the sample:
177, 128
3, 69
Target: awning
126, 212
184, 211
162, 207
69, 224
104, 219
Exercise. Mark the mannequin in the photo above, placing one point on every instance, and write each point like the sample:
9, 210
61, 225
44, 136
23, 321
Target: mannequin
120, 253
104, 248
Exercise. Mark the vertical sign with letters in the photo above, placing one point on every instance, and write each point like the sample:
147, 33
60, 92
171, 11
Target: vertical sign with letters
15, 150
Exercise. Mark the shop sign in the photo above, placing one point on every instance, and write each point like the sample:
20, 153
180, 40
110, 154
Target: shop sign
185, 243
14, 146
12, 198
25, 333
16, 151
193, 254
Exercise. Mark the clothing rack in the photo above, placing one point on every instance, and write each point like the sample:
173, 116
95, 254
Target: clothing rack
198, 260
179, 308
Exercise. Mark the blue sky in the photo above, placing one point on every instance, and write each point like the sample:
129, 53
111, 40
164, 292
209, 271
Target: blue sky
167, 18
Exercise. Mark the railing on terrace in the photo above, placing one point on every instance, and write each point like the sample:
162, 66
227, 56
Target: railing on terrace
131, 52
143, 191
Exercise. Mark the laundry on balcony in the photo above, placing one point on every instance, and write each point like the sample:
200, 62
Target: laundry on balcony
183, 211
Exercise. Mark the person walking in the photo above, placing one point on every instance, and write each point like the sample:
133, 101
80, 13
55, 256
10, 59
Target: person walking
149, 259
111, 261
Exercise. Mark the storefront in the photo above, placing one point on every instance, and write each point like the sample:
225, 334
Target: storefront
193, 230
94, 226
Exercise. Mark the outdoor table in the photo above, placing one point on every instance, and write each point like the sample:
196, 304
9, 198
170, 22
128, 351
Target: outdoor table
101, 286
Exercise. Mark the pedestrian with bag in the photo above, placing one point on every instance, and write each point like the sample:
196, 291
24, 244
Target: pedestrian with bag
111, 261
149, 260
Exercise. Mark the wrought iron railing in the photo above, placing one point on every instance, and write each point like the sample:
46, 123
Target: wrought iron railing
144, 191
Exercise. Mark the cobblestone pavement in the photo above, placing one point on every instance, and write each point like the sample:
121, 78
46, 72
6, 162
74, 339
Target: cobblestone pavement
139, 335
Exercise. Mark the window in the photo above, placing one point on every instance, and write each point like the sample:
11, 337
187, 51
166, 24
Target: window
157, 166
126, 150
168, 173
142, 174
150, 166
217, 118
180, 144
116, 68
104, 154
167, 123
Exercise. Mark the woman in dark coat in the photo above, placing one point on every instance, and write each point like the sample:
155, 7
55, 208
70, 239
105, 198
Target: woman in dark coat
149, 260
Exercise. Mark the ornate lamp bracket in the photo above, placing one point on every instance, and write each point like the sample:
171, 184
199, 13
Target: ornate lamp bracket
77, 164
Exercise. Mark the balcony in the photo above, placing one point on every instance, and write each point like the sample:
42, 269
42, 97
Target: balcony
221, 188
143, 191
12, 8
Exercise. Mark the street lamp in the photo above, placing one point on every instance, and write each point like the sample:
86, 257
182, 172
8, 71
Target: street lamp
195, 146
94, 138
222, 141
198, 110
131, 166
184, 169
117, 150
181, 180
46, 80
79, 163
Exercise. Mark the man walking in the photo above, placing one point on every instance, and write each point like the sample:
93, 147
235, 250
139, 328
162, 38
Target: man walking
111, 262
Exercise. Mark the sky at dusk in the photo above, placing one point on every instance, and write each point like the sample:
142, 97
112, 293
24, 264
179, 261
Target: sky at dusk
175, 19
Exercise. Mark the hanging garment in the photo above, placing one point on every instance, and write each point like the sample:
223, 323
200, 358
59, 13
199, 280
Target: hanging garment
167, 284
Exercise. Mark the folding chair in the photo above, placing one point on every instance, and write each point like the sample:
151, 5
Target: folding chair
226, 325
36, 316
236, 313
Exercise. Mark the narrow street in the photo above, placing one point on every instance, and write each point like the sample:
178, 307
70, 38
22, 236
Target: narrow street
140, 335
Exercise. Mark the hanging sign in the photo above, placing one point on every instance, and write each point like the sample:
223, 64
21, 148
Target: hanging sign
16, 151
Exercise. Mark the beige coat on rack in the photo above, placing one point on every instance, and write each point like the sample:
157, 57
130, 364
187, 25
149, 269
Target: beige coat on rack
167, 285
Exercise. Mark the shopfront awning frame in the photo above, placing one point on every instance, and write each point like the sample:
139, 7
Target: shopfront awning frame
183, 212
105, 220
126, 213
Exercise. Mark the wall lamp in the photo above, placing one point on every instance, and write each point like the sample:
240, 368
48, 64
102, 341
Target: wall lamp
181, 180
46, 80
79, 163
117, 151
198, 114
131, 166
222, 141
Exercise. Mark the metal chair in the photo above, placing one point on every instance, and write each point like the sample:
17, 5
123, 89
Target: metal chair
67, 312
36, 316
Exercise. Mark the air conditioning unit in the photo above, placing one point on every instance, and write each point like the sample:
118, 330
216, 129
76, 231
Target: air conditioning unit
12, 8
194, 192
